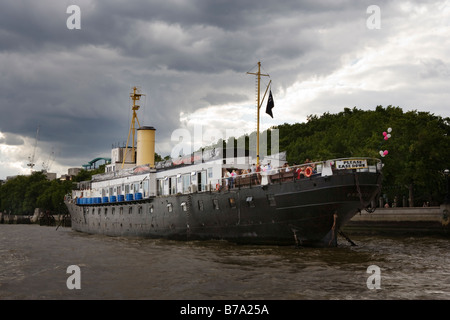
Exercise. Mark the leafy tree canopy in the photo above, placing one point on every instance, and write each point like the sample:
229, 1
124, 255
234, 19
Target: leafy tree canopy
418, 150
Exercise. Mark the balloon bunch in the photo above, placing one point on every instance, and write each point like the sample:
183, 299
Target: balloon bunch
386, 135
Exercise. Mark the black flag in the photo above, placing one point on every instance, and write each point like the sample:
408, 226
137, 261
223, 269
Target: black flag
270, 105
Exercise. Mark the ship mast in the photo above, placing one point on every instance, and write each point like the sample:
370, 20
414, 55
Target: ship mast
135, 97
258, 105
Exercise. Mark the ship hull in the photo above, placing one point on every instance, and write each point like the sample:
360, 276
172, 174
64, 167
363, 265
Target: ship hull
307, 212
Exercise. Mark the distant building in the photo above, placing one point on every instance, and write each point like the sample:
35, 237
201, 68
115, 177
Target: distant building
71, 172
74, 171
10, 178
50, 175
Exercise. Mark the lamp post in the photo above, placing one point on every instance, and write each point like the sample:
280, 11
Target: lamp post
447, 196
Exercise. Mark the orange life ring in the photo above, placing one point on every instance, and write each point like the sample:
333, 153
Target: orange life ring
217, 187
308, 172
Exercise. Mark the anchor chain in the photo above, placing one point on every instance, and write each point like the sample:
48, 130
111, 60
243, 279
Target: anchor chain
335, 216
188, 214
347, 238
297, 242
371, 210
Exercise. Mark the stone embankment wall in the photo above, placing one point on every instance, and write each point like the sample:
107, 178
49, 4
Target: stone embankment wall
37, 218
432, 220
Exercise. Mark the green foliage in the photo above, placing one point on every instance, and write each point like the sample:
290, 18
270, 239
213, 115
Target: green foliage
419, 149
86, 175
22, 194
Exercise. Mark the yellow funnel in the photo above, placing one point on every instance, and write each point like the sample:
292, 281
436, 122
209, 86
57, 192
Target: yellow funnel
146, 146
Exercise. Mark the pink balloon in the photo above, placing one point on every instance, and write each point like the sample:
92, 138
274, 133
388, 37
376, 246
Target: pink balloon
385, 152
385, 133
386, 137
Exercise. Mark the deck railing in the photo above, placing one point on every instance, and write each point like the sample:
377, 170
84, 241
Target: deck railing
302, 171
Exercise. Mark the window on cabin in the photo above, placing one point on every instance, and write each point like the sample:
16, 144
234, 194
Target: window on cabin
145, 188
186, 182
173, 185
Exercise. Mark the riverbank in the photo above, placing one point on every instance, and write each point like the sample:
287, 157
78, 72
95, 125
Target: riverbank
37, 218
404, 220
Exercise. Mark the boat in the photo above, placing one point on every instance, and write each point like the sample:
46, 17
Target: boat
189, 198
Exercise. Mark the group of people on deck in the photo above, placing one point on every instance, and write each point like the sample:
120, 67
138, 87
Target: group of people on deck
253, 172
304, 170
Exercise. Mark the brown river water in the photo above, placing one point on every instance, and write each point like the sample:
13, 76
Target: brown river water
35, 264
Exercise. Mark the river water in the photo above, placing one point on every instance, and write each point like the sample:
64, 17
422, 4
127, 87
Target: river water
35, 260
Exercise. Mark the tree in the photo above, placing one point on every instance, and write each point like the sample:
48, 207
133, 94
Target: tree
418, 150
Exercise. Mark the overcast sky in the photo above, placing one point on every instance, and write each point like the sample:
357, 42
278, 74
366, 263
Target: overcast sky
191, 57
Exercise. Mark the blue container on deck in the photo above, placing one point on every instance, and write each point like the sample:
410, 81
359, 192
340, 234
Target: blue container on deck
105, 200
112, 199
120, 197
129, 197
138, 196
